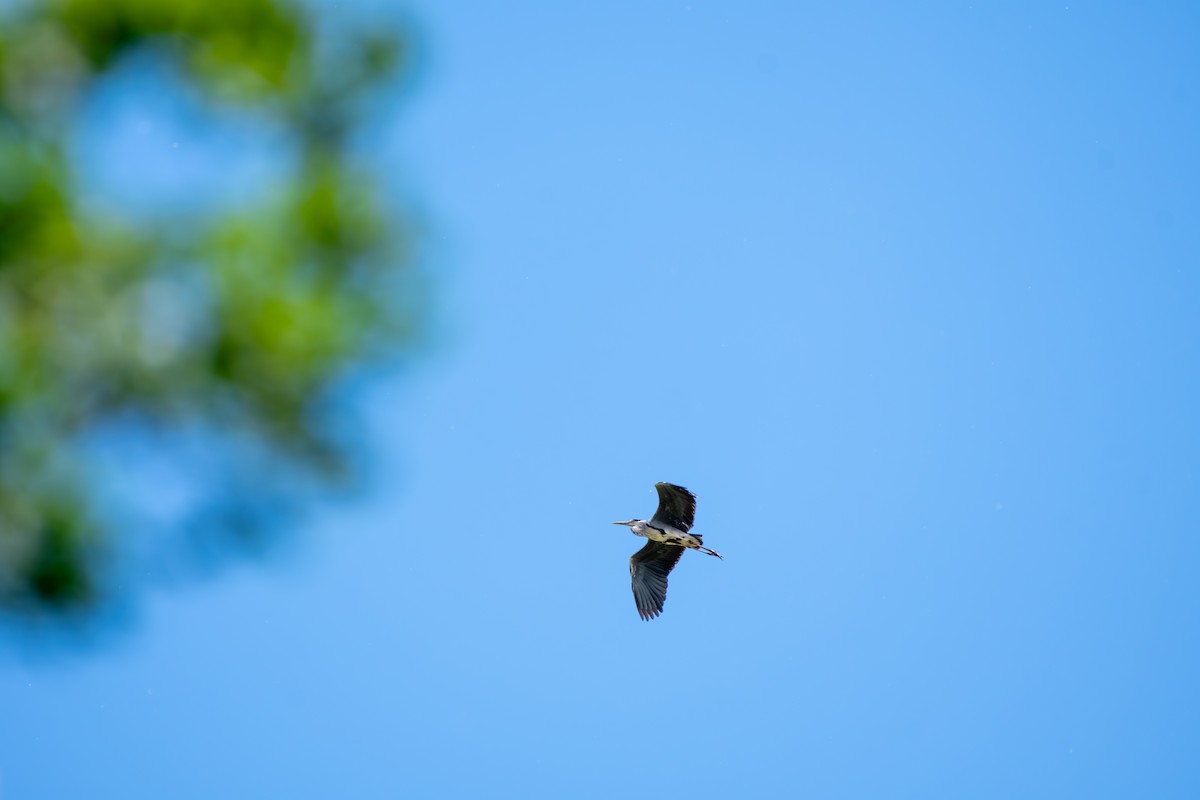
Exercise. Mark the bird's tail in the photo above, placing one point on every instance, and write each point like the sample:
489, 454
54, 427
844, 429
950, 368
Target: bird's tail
711, 552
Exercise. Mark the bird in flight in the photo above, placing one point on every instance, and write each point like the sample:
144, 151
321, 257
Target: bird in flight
668, 532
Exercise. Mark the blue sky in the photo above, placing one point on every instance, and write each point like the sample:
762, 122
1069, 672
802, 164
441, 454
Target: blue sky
907, 297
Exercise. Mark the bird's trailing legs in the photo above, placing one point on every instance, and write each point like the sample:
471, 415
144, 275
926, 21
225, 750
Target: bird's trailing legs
711, 552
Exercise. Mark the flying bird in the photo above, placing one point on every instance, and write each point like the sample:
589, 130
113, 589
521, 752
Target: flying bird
668, 532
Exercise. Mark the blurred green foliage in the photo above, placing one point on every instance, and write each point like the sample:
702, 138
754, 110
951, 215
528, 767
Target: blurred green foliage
240, 320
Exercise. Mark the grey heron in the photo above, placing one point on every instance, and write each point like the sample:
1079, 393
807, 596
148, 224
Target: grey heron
668, 532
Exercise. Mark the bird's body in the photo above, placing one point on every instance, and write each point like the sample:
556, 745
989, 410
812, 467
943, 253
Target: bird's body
669, 532
666, 534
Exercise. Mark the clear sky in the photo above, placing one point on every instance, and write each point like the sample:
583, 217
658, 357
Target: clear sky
909, 298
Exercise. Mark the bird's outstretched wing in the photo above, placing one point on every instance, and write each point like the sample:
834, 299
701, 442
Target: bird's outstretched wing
649, 568
676, 507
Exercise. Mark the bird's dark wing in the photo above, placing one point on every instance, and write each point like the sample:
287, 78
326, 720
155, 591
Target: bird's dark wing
676, 507
649, 568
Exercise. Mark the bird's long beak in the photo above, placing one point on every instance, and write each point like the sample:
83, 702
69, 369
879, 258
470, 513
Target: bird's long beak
621, 523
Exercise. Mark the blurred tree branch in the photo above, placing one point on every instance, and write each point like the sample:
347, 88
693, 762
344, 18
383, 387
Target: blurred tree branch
239, 321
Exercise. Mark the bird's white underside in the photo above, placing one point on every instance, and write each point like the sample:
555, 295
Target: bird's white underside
667, 535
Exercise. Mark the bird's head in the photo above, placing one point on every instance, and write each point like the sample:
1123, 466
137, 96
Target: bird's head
630, 523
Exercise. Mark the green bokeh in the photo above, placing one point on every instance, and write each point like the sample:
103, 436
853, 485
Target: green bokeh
282, 297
